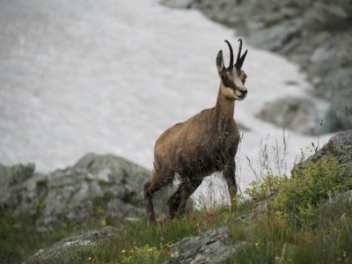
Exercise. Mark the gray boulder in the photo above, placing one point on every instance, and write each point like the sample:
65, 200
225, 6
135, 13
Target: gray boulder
301, 115
98, 188
340, 112
339, 147
71, 249
211, 247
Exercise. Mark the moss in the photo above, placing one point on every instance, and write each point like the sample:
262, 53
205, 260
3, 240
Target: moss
104, 184
100, 203
99, 218
42, 184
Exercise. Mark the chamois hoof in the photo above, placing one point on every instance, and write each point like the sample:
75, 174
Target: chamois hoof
164, 220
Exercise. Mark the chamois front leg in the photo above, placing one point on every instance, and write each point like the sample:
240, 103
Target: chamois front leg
178, 201
229, 175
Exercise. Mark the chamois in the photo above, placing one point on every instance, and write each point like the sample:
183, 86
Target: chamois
203, 144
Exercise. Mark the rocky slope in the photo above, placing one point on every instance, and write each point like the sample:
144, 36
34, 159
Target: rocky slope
315, 34
213, 246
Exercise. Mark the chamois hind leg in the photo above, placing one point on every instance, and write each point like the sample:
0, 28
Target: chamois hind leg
229, 175
177, 202
156, 182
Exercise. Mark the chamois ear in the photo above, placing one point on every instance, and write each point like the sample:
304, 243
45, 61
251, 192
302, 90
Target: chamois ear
220, 61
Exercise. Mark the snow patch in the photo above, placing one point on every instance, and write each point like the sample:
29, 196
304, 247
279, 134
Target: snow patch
108, 77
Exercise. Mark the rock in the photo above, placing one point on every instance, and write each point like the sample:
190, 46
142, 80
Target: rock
298, 114
177, 3
323, 55
13, 175
278, 36
339, 147
336, 207
340, 112
12, 185
65, 250
323, 16
344, 198
210, 247
99, 188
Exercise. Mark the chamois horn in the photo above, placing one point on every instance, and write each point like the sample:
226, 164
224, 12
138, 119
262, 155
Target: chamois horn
231, 55
240, 58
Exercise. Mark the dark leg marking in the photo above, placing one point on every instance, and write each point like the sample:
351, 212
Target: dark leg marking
178, 201
153, 185
229, 175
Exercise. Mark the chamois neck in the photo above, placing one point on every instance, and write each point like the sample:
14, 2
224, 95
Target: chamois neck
224, 111
224, 106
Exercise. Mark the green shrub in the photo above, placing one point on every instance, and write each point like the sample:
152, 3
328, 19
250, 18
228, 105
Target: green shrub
300, 196
265, 188
296, 228
297, 198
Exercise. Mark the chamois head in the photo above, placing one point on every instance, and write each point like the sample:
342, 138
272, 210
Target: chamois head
233, 77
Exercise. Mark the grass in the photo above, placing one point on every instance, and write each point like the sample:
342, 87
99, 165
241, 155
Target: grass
270, 238
293, 228
140, 243
19, 238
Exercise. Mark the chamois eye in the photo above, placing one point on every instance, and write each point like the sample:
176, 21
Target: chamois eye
244, 79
